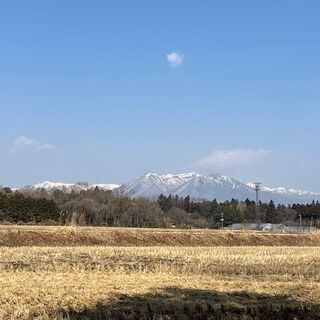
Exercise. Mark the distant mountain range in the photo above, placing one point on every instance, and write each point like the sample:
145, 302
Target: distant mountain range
197, 186
213, 186
71, 187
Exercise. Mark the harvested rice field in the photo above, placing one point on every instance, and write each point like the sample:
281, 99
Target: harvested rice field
142, 281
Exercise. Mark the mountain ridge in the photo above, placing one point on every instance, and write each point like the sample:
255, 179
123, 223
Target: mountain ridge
50, 186
195, 185
209, 187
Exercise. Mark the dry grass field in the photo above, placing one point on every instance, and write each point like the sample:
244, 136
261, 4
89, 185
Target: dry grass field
175, 281
13, 235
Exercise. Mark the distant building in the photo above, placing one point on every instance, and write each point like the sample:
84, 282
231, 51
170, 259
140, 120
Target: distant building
271, 227
244, 226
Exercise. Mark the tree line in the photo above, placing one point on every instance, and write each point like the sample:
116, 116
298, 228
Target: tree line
106, 208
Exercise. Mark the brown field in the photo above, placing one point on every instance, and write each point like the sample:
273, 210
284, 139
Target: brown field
131, 278
104, 236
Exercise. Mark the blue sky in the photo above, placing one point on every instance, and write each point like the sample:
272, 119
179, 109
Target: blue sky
87, 92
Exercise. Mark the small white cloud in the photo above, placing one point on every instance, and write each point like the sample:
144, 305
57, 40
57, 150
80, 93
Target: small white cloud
175, 59
225, 159
23, 143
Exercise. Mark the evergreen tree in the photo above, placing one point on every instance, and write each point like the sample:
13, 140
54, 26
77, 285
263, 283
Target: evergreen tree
271, 214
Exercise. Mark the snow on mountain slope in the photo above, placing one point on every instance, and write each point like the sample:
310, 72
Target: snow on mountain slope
152, 185
210, 187
286, 191
215, 186
69, 187
197, 186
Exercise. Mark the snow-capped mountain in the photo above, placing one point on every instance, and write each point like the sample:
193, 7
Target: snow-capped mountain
307, 196
197, 186
71, 187
214, 186
152, 185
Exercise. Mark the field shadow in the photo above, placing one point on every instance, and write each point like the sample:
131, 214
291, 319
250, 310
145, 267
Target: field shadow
182, 304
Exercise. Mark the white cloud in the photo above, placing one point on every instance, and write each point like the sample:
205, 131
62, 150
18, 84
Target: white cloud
226, 159
23, 143
175, 59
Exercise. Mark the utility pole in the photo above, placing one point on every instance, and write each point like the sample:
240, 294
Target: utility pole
300, 219
222, 220
257, 188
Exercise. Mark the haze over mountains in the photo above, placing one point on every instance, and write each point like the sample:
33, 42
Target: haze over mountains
197, 186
